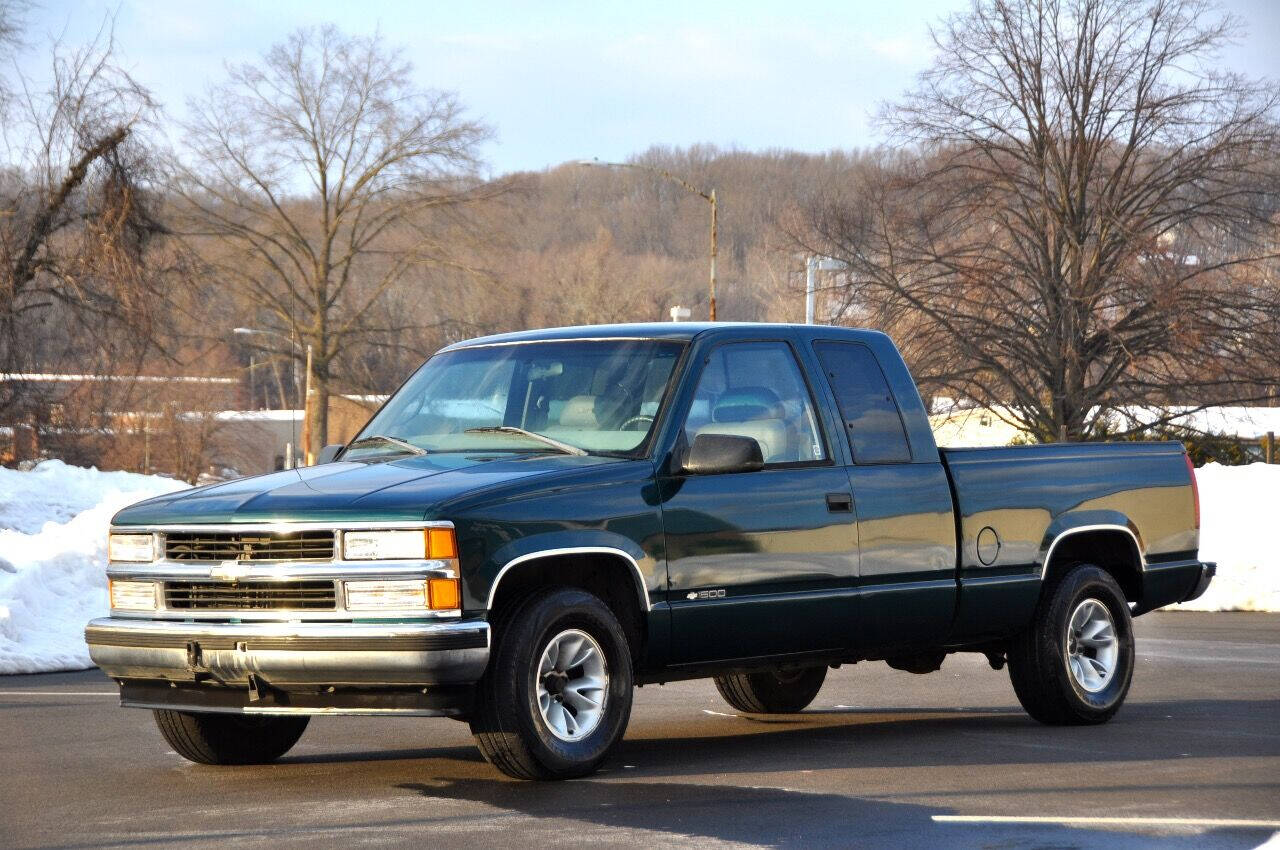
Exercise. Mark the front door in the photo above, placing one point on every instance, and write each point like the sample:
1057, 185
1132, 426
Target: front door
759, 563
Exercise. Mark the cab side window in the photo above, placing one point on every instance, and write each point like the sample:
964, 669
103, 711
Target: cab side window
756, 389
867, 407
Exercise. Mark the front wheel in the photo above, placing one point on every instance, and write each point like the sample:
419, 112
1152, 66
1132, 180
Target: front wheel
557, 695
772, 691
229, 738
1073, 665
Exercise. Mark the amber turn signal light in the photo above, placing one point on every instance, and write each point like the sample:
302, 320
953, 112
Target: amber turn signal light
441, 544
443, 594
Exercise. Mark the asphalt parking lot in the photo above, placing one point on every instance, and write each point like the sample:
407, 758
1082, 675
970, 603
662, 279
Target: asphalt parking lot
884, 758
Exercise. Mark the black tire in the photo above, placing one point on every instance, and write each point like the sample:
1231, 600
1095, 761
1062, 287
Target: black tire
1038, 658
507, 722
773, 691
229, 738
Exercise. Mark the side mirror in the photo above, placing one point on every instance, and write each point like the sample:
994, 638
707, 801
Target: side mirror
329, 454
719, 453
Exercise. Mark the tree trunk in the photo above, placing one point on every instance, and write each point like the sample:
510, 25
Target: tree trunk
319, 406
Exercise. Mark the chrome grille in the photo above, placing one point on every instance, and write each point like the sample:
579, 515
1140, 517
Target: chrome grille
249, 546
318, 595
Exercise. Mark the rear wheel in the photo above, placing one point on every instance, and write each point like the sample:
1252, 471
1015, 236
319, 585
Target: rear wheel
1074, 664
557, 695
772, 691
229, 738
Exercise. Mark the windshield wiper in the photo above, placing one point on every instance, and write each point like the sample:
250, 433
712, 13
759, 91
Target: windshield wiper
392, 441
532, 435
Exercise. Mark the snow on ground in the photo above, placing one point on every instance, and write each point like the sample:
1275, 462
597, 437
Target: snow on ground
53, 540
1240, 531
54, 519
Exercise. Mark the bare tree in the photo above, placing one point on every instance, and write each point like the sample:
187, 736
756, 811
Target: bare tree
11, 13
75, 219
322, 169
1083, 227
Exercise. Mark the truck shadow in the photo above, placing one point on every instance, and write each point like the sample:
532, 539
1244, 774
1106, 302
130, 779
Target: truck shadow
777, 817
769, 816
870, 738
841, 738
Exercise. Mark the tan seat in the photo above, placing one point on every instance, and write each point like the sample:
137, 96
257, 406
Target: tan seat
754, 412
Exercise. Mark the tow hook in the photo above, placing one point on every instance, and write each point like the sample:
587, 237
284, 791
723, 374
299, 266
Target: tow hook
195, 661
258, 689
995, 659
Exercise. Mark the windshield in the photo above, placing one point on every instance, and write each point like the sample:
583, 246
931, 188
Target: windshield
600, 396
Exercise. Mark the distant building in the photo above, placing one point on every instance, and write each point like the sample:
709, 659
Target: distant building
974, 426
256, 441
990, 426
151, 422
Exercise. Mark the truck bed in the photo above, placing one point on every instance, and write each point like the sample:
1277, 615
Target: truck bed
1015, 504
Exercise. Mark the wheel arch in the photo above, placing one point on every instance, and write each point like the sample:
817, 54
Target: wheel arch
608, 572
1113, 546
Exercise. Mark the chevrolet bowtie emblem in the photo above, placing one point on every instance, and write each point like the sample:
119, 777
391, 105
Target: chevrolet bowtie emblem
230, 570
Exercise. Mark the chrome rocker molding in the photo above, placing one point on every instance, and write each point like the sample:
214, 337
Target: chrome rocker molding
645, 604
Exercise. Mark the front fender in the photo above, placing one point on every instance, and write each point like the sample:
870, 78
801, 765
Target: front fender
648, 572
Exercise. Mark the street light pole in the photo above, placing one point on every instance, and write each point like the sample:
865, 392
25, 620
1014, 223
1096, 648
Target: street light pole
308, 456
812, 266
709, 197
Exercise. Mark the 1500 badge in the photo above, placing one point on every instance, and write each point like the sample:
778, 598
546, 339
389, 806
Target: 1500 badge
718, 593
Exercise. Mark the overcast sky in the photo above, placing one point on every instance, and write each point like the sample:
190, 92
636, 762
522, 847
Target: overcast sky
568, 80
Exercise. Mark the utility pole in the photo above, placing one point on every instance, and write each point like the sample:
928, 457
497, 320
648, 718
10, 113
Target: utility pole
709, 197
293, 364
714, 237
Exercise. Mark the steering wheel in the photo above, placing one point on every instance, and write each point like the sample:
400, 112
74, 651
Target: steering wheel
642, 419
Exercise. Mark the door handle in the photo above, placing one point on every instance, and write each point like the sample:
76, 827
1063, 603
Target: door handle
840, 503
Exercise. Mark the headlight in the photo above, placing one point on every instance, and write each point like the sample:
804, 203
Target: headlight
384, 545
132, 595
436, 594
415, 545
136, 548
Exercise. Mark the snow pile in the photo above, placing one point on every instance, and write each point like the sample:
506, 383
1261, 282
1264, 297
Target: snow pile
53, 539
1239, 530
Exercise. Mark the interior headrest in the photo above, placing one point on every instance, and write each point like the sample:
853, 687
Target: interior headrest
580, 412
747, 403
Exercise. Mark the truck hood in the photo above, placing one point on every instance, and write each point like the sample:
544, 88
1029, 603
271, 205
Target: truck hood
405, 488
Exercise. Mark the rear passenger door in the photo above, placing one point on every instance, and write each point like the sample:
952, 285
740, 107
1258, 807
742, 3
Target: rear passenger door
759, 563
906, 525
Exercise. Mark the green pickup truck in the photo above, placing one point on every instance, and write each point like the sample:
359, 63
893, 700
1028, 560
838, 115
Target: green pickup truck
535, 523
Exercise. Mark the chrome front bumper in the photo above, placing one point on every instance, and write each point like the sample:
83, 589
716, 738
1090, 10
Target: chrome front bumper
300, 656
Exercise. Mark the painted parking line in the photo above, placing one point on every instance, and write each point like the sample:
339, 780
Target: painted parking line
1207, 659
1209, 651
1110, 821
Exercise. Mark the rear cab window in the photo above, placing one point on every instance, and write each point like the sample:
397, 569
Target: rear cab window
872, 420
